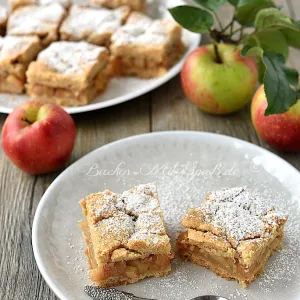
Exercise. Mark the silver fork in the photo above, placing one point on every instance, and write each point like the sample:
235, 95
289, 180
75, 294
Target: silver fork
98, 293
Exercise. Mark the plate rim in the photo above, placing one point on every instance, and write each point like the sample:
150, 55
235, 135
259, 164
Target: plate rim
175, 70
42, 268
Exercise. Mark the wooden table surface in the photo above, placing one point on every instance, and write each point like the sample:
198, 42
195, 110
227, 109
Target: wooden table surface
165, 108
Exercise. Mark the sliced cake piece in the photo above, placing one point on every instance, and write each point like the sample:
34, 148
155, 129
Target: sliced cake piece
68, 73
233, 233
125, 236
146, 48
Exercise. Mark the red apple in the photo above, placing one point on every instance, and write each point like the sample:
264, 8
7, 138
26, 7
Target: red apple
219, 87
280, 131
38, 138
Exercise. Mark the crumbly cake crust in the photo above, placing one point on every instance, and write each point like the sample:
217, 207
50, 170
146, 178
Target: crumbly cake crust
69, 73
93, 23
15, 55
236, 224
13, 4
42, 21
126, 228
139, 5
145, 47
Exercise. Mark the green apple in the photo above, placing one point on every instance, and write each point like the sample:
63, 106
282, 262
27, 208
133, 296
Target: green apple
219, 85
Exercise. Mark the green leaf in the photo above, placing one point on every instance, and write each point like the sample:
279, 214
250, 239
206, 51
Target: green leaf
272, 18
234, 2
252, 51
192, 18
281, 82
271, 40
211, 4
292, 36
247, 10
280, 95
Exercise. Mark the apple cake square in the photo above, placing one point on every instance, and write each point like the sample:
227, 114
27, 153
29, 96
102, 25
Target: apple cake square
68, 73
144, 47
3, 19
233, 233
14, 4
139, 5
15, 55
125, 237
42, 21
93, 23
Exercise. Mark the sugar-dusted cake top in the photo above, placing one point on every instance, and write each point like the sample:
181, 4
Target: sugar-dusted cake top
235, 213
132, 220
84, 20
71, 58
35, 19
142, 30
3, 15
12, 47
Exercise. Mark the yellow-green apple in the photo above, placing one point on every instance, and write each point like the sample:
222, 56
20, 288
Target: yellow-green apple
38, 138
219, 87
280, 131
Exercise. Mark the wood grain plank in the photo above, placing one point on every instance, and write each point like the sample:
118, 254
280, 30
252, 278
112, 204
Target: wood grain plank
21, 193
163, 109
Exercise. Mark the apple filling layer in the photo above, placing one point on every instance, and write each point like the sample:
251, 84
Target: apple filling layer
68, 97
146, 65
230, 268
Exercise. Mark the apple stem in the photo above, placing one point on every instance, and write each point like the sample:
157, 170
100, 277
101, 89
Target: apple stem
218, 57
27, 121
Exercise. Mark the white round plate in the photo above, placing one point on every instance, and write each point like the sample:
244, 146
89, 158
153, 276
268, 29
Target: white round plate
121, 89
184, 165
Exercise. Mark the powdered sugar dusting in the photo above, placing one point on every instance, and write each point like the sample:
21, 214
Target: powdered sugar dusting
239, 213
134, 215
71, 57
141, 30
84, 21
119, 226
35, 19
141, 199
11, 47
